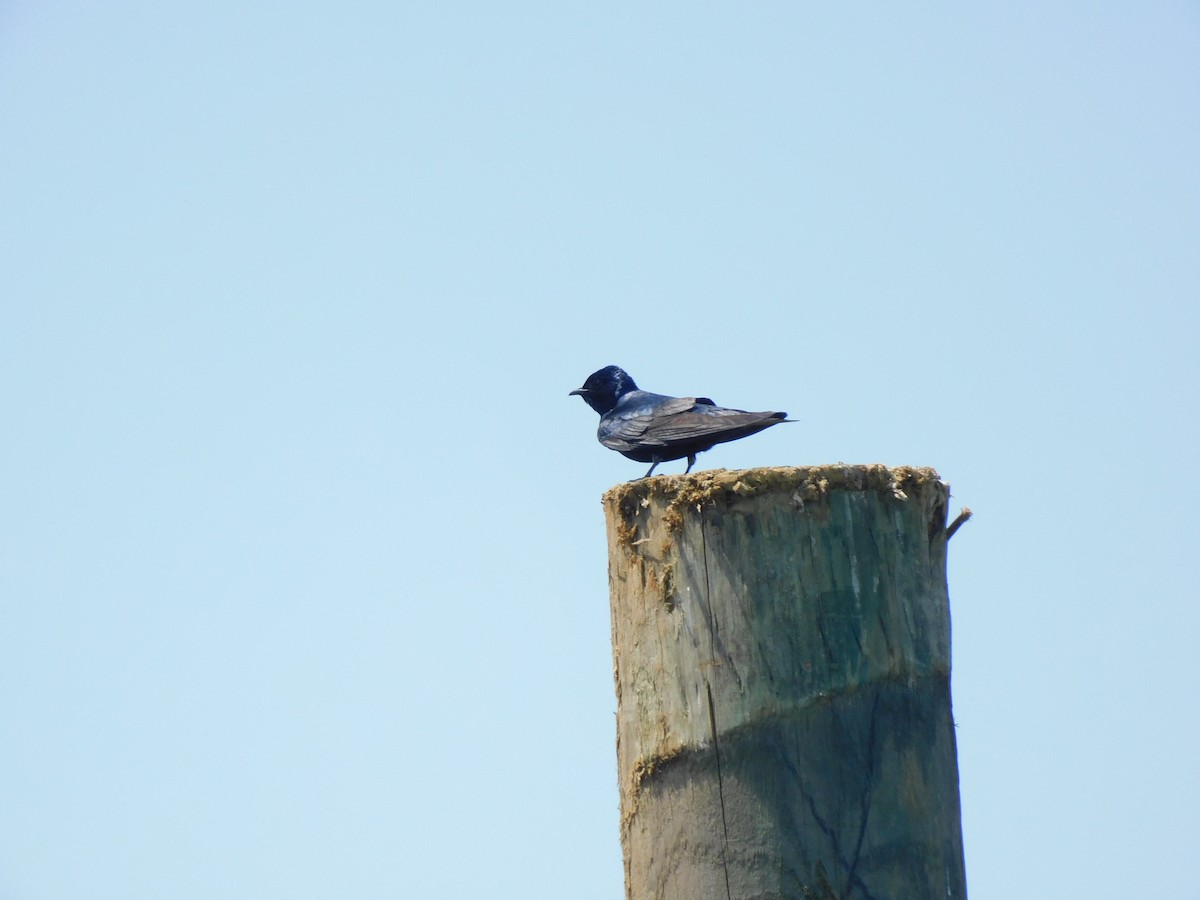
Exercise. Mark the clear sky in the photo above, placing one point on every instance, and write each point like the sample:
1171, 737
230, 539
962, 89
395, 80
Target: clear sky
303, 583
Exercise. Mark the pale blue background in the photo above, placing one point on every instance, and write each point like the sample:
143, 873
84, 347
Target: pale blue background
302, 559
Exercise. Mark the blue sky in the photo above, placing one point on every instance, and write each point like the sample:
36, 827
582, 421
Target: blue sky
302, 563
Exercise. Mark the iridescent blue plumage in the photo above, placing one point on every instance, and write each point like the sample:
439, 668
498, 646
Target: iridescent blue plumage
654, 428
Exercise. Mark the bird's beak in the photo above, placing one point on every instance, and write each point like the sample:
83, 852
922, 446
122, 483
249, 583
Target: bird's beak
579, 391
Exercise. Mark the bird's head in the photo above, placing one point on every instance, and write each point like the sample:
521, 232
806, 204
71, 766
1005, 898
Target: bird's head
605, 387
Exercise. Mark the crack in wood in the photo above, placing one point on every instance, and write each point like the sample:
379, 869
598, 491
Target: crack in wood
853, 879
865, 808
712, 715
712, 722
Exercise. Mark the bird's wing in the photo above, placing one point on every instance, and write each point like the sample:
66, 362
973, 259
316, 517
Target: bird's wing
681, 421
629, 432
692, 426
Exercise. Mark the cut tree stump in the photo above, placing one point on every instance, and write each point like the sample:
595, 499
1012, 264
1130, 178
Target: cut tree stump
781, 652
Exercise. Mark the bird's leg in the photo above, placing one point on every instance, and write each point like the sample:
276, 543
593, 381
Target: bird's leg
691, 462
652, 467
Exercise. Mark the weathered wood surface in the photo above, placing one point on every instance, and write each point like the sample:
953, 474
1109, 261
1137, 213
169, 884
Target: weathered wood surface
781, 649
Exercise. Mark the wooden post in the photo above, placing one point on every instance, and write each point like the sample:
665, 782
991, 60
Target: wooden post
781, 652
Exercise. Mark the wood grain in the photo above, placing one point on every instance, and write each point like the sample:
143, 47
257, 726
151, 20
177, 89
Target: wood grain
781, 650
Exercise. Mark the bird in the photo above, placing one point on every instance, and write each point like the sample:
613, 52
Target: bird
655, 428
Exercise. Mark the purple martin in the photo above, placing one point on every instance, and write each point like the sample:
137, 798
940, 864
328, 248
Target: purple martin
654, 428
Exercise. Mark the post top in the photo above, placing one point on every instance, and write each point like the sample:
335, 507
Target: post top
810, 481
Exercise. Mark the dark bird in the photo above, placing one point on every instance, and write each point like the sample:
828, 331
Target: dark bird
653, 428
